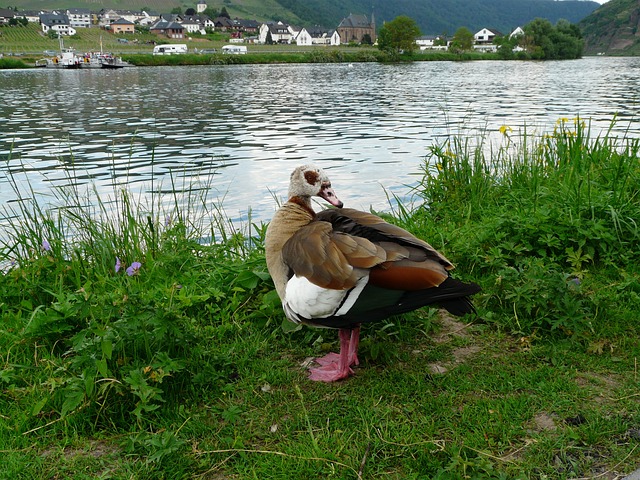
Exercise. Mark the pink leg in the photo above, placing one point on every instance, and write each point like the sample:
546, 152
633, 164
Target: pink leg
338, 366
353, 346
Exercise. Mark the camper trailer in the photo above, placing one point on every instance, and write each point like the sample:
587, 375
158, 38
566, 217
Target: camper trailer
170, 49
234, 49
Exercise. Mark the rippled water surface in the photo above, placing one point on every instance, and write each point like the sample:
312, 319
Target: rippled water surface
238, 131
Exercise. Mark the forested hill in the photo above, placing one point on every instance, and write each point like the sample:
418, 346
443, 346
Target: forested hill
613, 28
444, 16
433, 16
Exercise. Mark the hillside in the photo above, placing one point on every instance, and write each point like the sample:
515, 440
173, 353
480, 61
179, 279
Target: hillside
613, 28
433, 16
445, 16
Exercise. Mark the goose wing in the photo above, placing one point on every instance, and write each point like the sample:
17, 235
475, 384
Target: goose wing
411, 263
329, 258
342, 245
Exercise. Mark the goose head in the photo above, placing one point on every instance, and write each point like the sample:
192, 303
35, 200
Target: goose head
310, 181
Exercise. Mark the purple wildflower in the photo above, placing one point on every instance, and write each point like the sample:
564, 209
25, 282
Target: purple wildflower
133, 268
118, 264
46, 246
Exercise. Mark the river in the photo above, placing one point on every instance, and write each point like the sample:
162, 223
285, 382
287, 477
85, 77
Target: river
236, 132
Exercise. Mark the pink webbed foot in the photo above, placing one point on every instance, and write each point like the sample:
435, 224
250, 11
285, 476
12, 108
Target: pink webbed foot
335, 366
329, 373
328, 359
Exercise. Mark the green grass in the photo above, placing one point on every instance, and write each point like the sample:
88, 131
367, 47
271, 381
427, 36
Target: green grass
182, 370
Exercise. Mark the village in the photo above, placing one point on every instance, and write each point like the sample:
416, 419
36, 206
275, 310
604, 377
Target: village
355, 29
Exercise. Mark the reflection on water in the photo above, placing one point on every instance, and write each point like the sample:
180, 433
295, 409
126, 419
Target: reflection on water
238, 131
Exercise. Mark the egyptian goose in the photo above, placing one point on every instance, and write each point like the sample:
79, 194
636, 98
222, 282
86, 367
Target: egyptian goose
342, 267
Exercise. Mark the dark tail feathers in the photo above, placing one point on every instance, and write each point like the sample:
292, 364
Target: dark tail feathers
452, 294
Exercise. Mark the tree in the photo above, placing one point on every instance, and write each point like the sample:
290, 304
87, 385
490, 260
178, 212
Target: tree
190, 11
506, 45
211, 12
399, 35
546, 42
441, 40
176, 11
224, 13
567, 40
538, 33
461, 41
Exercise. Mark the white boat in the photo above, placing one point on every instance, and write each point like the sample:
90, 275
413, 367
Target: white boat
68, 58
102, 60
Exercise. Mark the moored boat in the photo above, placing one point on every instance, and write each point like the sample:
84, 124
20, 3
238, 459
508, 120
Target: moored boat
67, 58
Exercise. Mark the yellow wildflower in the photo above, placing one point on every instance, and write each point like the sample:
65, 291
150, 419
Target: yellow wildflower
506, 130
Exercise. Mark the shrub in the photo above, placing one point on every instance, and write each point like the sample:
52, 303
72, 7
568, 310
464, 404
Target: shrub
536, 219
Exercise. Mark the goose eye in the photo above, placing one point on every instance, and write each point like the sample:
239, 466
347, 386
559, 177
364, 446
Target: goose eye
311, 177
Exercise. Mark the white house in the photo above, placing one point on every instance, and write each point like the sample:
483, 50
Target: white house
107, 16
31, 15
334, 39
6, 15
293, 31
192, 26
517, 32
317, 36
58, 22
147, 19
484, 40
279, 33
79, 17
197, 23
486, 36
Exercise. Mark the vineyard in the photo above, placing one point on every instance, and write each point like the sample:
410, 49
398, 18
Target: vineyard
30, 40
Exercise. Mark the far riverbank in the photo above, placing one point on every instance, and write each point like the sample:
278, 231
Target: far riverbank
312, 56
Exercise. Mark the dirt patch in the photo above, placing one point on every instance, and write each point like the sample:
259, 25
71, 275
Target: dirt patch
460, 355
543, 422
607, 383
452, 328
602, 387
95, 449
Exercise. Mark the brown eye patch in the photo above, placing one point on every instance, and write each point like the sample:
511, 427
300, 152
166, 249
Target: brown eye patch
311, 177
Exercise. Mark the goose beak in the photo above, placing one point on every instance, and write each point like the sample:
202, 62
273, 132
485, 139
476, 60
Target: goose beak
329, 195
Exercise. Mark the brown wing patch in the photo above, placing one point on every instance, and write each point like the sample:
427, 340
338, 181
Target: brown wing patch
330, 260
405, 275
359, 252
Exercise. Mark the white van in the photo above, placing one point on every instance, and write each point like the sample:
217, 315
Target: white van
170, 49
234, 49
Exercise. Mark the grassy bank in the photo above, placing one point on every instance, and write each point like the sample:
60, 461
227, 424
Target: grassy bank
136, 351
334, 55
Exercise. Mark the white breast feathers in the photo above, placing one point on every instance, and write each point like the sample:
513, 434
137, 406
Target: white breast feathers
307, 300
